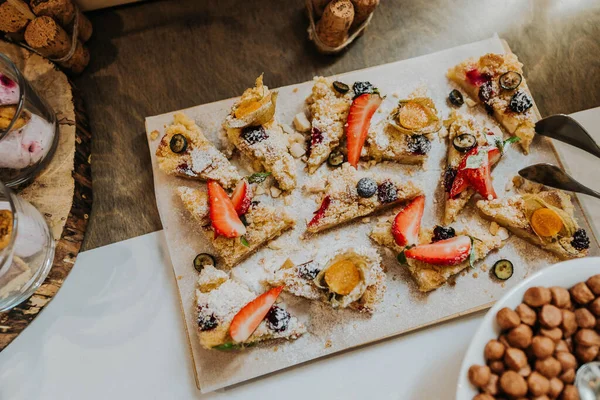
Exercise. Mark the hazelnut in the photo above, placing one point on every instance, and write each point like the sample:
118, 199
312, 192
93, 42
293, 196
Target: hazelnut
479, 375
483, 396
584, 318
549, 367
513, 384
515, 359
556, 386
525, 371
554, 333
520, 336
492, 385
542, 347
537, 296
507, 318
567, 376
570, 392
562, 346
538, 384
581, 293
550, 316
560, 296
526, 314
494, 350
586, 353
566, 360
569, 323
497, 367
595, 307
586, 337
594, 284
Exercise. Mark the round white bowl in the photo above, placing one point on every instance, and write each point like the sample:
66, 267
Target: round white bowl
565, 274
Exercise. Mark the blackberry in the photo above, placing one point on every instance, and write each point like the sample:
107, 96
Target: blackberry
580, 240
308, 271
449, 177
278, 319
488, 108
456, 98
520, 102
486, 91
442, 233
387, 192
207, 322
418, 144
362, 88
254, 134
366, 187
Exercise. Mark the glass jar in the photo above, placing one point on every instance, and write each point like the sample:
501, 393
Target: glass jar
28, 128
26, 249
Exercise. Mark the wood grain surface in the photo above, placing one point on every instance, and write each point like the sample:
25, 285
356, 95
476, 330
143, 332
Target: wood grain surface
154, 57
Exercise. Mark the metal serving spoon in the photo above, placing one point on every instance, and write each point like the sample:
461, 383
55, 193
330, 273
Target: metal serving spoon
553, 176
566, 129
588, 381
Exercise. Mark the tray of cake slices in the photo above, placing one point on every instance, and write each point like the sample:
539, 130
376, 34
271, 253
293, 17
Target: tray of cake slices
317, 217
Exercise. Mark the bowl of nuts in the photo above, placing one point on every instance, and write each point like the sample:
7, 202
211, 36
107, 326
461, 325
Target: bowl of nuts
532, 341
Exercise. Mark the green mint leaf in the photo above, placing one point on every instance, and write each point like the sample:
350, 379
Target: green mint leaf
512, 139
258, 177
244, 241
472, 255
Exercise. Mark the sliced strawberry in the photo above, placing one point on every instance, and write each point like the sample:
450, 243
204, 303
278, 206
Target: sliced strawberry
242, 197
357, 127
459, 184
481, 181
445, 252
251, 315
407, 223
321, 211
224, 218
494, 155
478, 178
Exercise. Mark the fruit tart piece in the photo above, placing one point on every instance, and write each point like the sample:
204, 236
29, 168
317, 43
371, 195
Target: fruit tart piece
496, 81
254, 131
336, 109
349, 278
439, 254
405, 136
467, 169
236, 227
231, 316
351, 194
545, 219
184, 151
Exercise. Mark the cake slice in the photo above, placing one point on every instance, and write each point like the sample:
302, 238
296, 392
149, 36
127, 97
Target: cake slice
351, 194
231, 316
252, 128
349, 278
262, 224
405, 136
464, 135
497, 82
184, 151
440, 254
545, 219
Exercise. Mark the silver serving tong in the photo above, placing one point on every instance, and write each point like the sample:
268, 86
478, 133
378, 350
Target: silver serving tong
553, 176
565, 129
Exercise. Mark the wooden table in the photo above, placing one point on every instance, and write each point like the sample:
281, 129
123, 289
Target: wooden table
155, 57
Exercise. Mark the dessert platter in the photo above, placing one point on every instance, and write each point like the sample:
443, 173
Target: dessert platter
334, 213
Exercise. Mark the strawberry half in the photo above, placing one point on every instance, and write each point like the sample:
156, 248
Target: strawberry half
242, 197
319, 213
407, 223
481, 180
445, 252
478, 178
224, 218
357, 127
251, 315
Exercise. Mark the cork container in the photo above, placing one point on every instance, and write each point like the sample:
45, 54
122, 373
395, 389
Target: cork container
334, 24
64, 12
11, 19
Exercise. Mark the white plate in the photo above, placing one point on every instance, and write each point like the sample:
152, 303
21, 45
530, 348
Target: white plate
565, 274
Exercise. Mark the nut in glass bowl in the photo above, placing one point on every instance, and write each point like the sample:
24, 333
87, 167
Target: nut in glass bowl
28, 128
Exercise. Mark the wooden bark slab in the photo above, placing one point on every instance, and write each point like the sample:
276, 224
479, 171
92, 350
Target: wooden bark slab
63, 191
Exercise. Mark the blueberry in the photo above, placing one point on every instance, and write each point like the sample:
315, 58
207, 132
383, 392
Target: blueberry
486, 91
362, 88
580, 240
207, 322
366, 187
418, 144
455, 97
254, 134
449, 177
387, 192
442, 233
278, 319
520, 102
308, 271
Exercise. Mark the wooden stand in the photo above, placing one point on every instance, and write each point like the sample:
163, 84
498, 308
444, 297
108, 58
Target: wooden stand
63, 191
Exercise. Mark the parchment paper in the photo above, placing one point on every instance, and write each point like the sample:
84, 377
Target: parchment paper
404, 308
